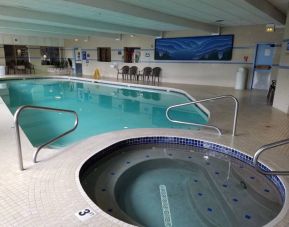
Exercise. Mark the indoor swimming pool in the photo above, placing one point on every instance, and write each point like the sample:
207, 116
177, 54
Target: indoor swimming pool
166, 181
101, 108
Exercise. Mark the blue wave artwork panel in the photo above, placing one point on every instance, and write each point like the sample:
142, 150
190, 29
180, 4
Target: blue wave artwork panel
195, 48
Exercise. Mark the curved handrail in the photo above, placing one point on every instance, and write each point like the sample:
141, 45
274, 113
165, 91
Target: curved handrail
267, 147
203, 125
16, 121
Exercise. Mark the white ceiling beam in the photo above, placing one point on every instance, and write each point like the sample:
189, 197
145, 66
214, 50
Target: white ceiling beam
267, 8
25, 15
18, 26
140, 12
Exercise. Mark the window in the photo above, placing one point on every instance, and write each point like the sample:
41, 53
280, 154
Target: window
104, 54
49, 55
16, 55
131, 54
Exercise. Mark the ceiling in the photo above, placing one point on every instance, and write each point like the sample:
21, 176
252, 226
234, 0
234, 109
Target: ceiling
109, 18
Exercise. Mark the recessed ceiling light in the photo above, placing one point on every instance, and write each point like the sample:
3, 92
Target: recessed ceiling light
85, 40
117, 39
270, 27
131, 35
76, 40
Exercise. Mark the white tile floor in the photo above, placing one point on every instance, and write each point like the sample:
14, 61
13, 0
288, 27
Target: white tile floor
48, 193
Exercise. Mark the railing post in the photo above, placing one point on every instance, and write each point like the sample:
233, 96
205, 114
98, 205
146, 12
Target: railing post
267, 147
18, 141
235, 115
205, 100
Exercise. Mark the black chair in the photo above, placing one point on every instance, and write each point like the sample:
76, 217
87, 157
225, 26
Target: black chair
133, 72
156, 74
124, 72
29, 68
146, 73
11, 67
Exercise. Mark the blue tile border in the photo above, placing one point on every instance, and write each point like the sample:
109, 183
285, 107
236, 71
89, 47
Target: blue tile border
185, 141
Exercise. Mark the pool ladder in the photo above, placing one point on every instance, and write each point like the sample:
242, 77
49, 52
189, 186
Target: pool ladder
203, 125
267, 147
16, 121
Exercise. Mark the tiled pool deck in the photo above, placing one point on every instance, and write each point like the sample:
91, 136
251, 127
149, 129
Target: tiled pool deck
48, 194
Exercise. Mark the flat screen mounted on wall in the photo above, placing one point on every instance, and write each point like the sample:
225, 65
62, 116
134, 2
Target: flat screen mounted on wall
215, 47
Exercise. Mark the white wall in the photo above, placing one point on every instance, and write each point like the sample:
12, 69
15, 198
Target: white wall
281, 99
194, 72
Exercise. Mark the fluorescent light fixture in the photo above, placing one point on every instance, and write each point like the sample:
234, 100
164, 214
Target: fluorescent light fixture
119, 38
162, 34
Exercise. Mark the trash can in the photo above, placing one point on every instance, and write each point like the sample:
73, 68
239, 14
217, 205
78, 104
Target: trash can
241, 78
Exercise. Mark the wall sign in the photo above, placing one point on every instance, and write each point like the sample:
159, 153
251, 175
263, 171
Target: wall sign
267, 52
85, 214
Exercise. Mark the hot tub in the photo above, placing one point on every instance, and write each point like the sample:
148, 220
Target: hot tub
169, 181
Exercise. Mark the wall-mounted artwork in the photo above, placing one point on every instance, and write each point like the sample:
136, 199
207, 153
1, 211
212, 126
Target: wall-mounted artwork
217, 47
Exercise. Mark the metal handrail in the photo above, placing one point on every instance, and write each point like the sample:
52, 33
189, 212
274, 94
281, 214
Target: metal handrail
16, 121
203, 125
267, 147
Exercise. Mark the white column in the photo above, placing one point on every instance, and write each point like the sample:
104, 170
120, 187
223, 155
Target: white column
281, 99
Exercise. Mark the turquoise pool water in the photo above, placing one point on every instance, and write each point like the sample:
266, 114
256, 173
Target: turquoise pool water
178, 185
101, 108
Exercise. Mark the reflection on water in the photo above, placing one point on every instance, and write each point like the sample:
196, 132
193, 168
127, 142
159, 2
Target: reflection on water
101, 108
